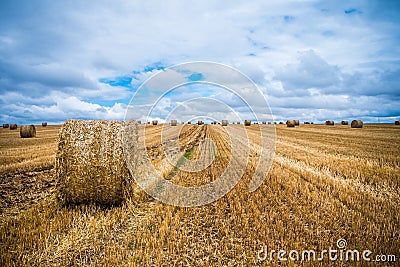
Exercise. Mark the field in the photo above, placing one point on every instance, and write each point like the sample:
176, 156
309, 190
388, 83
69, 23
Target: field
326, 183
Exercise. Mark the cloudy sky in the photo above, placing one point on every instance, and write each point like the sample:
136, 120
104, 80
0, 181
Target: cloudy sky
313, 60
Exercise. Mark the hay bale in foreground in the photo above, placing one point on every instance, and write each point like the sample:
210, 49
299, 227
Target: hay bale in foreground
345, 123
90, 166
44, 124
13, 126
247, 122
290, 123
330, 123
224, 122
357, 124
6, 125
397, 123
27, 131
155, 122
174, 122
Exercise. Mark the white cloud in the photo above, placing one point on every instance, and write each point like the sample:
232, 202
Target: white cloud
291, 49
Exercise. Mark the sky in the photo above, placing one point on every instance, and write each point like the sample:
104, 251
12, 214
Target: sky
312, 60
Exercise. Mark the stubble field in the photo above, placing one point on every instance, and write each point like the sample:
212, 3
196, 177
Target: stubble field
326, 183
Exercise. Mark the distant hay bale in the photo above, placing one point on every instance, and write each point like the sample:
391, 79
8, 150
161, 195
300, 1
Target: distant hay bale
200, 122
148, 122
290, 123
247, 122
6, 125
44, 124
269, 122
345, 123
27, 131
264, 122
356, 124
174, 122
155, 122
224, 122
189, 122
90, 166
330, 123
312, 122
238, 122
306, 122
139, 122
296, 122
281, 122
397, 123
13, 126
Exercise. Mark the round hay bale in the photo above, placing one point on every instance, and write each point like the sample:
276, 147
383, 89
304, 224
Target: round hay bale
312, 122
224, 122
90, 166
155, 122
296, 122
306, 122
27, 131
13, 126
356, 124
290, 123
199, 122
345, 123
189, 122
281, 122
397, 123
174, 122
139, 122
6, 125
330, 123
44, 124
247, 122
269, 122
264, 122
148, 122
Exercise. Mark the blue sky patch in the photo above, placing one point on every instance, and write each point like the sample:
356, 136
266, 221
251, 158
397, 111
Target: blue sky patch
288, 19
123, 81
196, 77
352, 11
155, 66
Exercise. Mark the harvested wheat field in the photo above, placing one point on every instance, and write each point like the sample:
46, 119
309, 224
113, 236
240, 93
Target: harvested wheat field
326, 183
